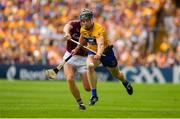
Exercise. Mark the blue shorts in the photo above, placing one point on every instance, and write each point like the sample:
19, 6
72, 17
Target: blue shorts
109, 60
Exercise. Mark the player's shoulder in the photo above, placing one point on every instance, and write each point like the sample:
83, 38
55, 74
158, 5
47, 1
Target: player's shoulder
98, 27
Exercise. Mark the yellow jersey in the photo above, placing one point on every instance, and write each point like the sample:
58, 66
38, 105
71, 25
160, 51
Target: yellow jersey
91, 36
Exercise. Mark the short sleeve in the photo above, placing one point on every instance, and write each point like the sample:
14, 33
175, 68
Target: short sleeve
100, 32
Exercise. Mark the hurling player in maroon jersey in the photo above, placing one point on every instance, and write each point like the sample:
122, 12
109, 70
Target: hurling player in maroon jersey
77, 63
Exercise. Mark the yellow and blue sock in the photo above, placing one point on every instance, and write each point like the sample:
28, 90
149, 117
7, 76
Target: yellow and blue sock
94, 93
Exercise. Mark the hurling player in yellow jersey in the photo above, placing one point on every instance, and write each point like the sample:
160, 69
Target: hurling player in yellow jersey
94, 35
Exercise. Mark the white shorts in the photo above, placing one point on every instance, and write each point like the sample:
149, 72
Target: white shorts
79, 62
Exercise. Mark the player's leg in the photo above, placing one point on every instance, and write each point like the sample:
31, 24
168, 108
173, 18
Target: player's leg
69, 72
91, 74
119, 75
85, 81
116, 73
81, 68
110, 62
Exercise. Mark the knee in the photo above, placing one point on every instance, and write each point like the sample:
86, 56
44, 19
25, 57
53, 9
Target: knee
121, 75
90, 66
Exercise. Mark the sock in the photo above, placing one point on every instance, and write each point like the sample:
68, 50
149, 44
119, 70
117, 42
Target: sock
94, 92
56, 70
125, 83
79, 101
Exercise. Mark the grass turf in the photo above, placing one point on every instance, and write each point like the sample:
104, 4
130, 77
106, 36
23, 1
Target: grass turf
53, 99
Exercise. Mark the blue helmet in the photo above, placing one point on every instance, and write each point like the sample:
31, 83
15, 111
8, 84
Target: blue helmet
86, 14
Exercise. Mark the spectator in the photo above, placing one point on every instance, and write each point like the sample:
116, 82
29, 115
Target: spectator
31, 30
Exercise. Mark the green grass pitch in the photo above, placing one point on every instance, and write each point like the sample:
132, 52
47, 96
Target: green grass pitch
53, 99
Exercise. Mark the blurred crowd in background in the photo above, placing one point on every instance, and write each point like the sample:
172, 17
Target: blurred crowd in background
143, 32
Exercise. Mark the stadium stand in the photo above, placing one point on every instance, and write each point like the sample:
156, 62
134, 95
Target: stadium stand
143, 32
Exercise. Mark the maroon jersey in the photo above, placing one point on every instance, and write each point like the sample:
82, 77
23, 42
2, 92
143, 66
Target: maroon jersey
75, 34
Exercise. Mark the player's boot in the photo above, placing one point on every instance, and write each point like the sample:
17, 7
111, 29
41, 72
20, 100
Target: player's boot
93, 100
82, 107
128, 87
50, 73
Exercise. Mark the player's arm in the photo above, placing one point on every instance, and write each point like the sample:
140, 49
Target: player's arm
66, 31
100, 45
